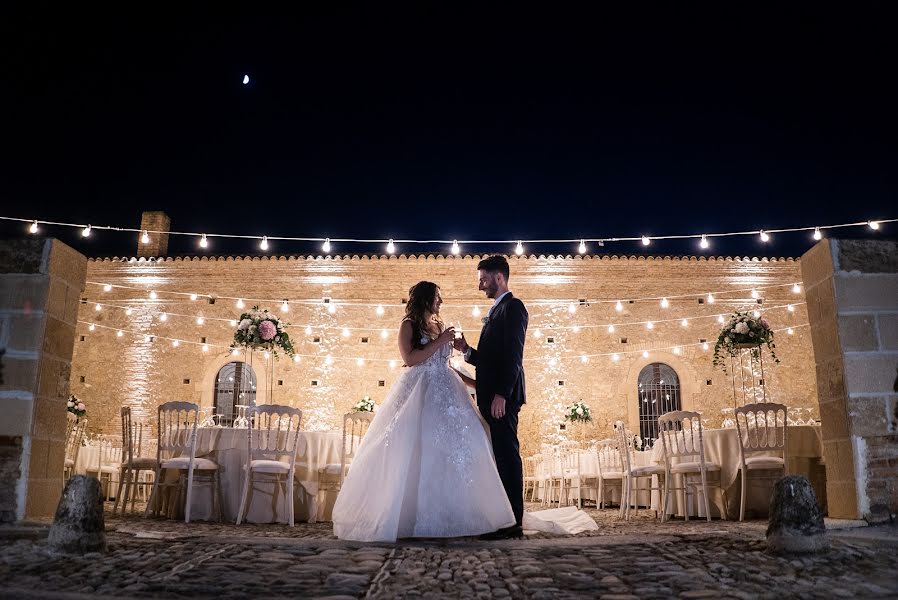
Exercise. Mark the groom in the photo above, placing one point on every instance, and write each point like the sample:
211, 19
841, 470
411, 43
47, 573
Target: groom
500, 380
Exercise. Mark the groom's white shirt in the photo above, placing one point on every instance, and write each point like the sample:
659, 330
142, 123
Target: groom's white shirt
488, 314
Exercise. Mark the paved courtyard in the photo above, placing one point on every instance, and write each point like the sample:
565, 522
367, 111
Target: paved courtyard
641, 559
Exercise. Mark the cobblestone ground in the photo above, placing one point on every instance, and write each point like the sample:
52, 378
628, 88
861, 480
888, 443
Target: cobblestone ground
641, 559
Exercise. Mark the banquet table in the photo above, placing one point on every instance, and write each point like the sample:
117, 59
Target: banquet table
804, 448
228, 448
589, 467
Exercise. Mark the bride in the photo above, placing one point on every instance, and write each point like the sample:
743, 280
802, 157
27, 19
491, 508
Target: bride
425, 468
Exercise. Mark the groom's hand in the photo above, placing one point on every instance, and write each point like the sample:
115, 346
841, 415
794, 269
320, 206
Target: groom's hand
498, 407
461, 344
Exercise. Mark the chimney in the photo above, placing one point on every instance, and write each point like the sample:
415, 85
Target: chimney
150, 221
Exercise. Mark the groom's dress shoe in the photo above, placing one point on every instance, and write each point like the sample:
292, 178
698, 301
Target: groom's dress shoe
506, 533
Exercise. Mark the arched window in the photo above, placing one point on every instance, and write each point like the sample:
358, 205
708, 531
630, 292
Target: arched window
659, 392
235, 384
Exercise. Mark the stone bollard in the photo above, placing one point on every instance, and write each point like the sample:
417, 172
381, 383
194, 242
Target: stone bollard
78, 526
796, 523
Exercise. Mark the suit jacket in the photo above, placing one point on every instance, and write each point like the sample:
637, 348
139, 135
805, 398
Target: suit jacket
500, 353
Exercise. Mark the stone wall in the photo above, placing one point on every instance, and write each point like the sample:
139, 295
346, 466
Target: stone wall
140, 371
40, 284
853, 308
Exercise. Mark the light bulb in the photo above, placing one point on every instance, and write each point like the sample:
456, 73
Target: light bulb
455, 248
645, 354
308, 330
649, 325
203, 241
392, 364
611, 329
128, 311
391, 247
379, 310
704, 345
646, 241
233, 322
817, 234
33, 227
98, 308
175, 343
475, 311
790, 331
264, 243
120, 333
685, 322
665, 303
757, 314
345, 332
519, 249
239, 303
331, 308
360, 362
764, 236
145, 238
107, 288
92, 327
619, 307
285, 306
266, 354
200, 320
329, 360
205, 347
296, 358
85, 232
790, 308
163, 317
615, 357
710, 298
582, 248
235, 352
326, 246
676, 350
703, 243
755, 294
796, 289
572, 308
874, 225
153, 295
193, 297
537, 333
584, 359
576, 329
720, 318
384, 333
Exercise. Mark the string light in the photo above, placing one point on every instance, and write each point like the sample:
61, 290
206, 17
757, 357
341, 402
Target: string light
128, 311
796, 288
205, 347
33, 227
175, 343
331, 308
553, 362
193, 297
572, 308
329, 360
704, 242
285, 306
391, 247
764, 236
649, 325
790, 308
308, 330
153, 295
710, 298
537, 333
107, 288
85, 232
235, 352
326, 246
266, 354
233, 322
200, 320
582, 248
645, 354
685, 322
119, 333
204, 243
475, 312
455, 249
345, 332
720, 318
380, 310
610, 328
584, 359
757, 314
145, 238
296, 358
576, 329
264, 243
676, 350
615, 357
664, 303
163, 317
92, 327
392, 364
790, 331
239, 303
519, 249
360, 362
874, 225
755, 294
705, 346
817, 234
98, 308
384, 333
646, 241
619, 307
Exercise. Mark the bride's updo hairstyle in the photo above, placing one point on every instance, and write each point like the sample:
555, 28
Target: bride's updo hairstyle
420, 300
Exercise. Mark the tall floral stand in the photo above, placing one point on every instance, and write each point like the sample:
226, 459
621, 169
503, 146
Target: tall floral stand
750, 358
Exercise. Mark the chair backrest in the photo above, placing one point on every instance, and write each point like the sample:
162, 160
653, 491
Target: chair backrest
177, 422
273, 432
74, 435
531, 466
624, 445
110, 450
569, 455
608, 457
132, 436
762, 428
681, 434
355, 426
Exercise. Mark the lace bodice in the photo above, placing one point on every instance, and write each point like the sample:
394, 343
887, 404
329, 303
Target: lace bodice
438, 358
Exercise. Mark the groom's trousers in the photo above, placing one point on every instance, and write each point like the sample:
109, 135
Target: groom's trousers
507, 450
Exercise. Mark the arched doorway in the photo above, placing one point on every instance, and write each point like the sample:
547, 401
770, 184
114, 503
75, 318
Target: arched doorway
659, 392
235, 384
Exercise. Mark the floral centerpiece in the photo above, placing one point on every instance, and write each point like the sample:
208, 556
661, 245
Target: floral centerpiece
366, 404
76, 406
578, 412
743, 330
259, 329
637, 442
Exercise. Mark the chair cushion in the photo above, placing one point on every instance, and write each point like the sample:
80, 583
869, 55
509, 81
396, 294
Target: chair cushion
331, 469
269, 466
646, 471
69, 462
183, 462
142, 462
104, 469
764, 462
693, 467
612, 475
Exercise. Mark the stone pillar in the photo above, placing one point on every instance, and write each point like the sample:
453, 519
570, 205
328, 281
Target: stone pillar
851, 288
154, 220
41, 281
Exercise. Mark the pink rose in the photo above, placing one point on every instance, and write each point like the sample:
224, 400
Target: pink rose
267, 330
764, 323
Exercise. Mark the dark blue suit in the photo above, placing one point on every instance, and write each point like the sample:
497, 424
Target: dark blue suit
500, 370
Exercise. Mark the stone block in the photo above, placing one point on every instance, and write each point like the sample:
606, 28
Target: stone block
827, 345
72, 304
26, 332
841, 499
868, 256
19, 374
53, 379
857, 333
68, 264
888, 331
42, 496
870, 373
40, 451
16, 416
817, 264
834, 420
867, 292
56, 303
869, 416
49, 418
830, 381
59, 338
839, 455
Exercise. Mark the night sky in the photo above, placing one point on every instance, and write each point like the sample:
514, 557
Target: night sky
451, 120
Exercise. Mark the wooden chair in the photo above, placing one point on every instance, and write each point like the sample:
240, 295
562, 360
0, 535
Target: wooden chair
762, 444
271, 451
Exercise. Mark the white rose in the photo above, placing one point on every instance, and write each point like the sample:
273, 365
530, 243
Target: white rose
244, 324
741, 328
70, 404
579, 410
81, 406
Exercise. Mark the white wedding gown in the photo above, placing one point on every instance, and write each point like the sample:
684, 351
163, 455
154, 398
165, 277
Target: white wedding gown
425, 467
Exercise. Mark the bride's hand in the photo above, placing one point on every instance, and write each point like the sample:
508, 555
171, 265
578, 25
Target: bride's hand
447, 337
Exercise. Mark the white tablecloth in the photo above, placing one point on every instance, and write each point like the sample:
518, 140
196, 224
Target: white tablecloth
228, 447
